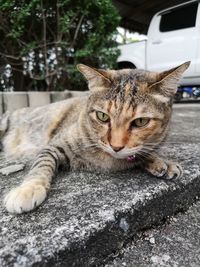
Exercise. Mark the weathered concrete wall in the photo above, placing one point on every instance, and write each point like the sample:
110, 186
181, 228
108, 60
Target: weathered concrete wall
36, 99
15, 100
58, 96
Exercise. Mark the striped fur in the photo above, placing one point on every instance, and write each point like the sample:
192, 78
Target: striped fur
69, 133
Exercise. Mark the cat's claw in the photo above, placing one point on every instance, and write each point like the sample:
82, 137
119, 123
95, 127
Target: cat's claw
174, 170
25, 198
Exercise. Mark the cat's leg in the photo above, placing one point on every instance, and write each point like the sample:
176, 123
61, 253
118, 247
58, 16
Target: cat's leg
33, 190
163, 168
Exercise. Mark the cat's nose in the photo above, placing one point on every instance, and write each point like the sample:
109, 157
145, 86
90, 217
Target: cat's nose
117, 148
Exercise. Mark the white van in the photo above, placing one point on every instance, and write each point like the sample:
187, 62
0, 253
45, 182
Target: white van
173, 38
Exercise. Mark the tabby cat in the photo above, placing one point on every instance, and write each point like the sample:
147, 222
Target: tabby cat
116, 127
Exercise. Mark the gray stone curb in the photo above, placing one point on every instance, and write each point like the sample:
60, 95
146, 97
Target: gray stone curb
87, 217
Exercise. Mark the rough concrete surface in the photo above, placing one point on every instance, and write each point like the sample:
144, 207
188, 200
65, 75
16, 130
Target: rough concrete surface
88, 217
176, 244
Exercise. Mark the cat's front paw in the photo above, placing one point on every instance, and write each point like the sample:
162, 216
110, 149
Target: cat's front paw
25, 198
164, 169
157, 168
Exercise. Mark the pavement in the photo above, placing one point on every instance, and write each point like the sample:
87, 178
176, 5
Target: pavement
175, 244
89, 218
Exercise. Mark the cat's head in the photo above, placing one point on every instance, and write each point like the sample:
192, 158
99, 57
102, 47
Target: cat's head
129, 110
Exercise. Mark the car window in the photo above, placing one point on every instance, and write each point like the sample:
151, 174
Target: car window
179, 18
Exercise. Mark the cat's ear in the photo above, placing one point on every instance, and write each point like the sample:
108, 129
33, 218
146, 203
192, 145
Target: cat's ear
167, 81
97, 79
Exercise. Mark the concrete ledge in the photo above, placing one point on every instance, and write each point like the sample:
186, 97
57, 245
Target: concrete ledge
13, 101
89, 216
37, 99
58, 96
78, 93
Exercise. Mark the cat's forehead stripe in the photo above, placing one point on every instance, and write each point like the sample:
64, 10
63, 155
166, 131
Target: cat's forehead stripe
128, 87
124, 87
144, 111
109, 106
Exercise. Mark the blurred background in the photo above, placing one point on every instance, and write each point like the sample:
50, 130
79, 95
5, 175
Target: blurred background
42, 41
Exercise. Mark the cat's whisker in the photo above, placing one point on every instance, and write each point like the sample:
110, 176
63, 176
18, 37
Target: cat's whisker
164, 142
89, 140
148, 152
143, 155
142, 158
84, 146
145, 152
147, 149
161, 143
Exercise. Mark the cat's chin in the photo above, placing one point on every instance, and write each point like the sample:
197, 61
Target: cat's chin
130, 158
118, 156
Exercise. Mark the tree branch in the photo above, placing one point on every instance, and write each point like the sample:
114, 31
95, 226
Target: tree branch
10, 56
37, 77
45, 43
77, 30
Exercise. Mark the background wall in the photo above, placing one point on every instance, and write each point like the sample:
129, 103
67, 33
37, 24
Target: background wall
10, 101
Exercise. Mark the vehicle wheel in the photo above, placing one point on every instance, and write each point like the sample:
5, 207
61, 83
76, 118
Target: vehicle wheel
125, 65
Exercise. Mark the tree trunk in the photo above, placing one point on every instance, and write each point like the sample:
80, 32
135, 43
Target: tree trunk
21, 82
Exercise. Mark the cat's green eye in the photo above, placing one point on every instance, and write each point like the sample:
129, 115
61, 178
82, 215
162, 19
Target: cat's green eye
102, 116
140, 122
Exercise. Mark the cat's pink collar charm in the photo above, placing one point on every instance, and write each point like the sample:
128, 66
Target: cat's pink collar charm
131, 158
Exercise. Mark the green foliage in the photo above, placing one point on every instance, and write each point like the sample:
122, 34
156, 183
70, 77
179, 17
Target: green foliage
76, 30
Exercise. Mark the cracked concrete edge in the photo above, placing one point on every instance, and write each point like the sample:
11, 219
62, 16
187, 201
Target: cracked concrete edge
101, 246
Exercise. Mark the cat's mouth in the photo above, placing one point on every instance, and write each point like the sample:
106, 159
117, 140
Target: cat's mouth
129, 155
130, 158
